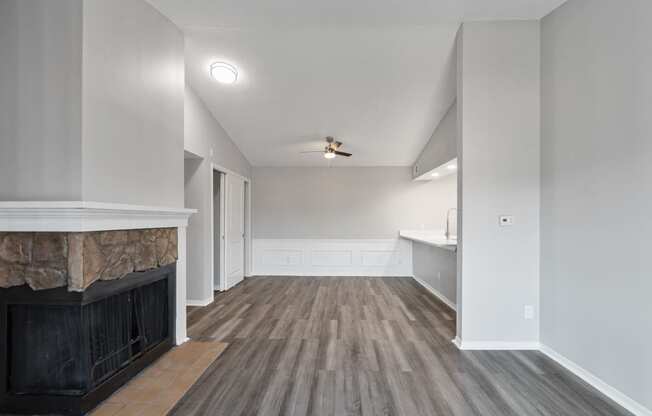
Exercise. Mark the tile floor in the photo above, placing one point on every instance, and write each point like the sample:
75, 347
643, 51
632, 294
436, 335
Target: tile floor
160, 386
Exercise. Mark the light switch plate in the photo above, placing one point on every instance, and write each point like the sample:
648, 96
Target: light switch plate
506, 220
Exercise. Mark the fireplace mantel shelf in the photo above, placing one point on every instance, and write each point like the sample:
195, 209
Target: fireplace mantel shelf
82, 216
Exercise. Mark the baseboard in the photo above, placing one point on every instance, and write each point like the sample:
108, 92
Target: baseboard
182, 341
495, 345
597, 383
437, 293
457, 342
193, 302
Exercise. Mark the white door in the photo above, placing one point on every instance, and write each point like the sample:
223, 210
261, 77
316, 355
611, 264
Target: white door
235, 230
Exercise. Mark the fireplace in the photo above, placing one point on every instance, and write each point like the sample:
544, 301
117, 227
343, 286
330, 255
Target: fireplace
64, 352
81, 313
90, 294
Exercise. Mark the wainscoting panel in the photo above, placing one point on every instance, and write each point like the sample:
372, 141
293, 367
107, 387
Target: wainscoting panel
324, 257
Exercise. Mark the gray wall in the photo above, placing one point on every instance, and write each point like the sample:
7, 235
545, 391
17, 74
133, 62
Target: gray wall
201, 134
92, 102
316, 203
499, 122
437, 267
132, 97
40, 99
596, 180
442, 146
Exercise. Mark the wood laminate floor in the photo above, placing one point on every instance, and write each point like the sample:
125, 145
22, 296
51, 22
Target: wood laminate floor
364, 346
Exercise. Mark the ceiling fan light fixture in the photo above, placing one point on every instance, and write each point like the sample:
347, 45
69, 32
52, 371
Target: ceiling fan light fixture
329, 155
224, 73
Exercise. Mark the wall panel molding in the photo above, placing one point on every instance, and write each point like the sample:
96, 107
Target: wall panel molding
332, 257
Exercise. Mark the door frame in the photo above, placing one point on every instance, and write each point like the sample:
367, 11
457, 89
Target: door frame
223, 214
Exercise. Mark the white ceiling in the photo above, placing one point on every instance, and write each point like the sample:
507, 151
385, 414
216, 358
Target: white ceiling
378, 74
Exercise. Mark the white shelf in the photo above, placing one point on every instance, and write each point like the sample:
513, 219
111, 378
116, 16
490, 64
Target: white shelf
81, 216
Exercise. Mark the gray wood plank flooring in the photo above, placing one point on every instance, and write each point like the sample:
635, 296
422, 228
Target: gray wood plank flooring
364, 346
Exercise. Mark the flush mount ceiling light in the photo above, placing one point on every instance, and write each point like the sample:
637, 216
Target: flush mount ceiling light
329, 155
223, 72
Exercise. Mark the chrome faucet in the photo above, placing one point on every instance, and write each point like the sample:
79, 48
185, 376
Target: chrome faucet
448, 222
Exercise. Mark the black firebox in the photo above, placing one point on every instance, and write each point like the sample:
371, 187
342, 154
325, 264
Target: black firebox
64, 352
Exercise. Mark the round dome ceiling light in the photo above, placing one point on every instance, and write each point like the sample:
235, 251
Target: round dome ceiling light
223, 72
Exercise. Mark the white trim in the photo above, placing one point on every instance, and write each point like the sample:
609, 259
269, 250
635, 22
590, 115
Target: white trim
457, 342
82, 216
181, 334
201, 303
496, 345
437, 293
333, 257
229, 171
597, 383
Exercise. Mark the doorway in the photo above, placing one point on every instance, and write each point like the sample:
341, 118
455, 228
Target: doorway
230, 228
218, 229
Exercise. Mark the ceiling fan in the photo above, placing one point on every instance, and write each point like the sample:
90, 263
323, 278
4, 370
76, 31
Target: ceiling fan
331, 149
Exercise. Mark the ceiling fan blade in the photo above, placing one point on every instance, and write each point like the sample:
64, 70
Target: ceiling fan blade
342, 153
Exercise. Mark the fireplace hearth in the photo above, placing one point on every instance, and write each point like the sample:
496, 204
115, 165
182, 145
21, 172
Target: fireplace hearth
62, 352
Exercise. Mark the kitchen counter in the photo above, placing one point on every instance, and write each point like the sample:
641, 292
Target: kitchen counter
431, 238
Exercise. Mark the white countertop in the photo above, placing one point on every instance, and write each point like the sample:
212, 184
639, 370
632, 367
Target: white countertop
429, 237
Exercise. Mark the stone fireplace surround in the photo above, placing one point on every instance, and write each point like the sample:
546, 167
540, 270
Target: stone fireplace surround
76, 260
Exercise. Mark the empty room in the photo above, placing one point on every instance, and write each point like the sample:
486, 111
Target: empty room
405, 208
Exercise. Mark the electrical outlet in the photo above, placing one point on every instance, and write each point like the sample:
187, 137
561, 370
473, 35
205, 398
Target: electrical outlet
506, 220
528, 312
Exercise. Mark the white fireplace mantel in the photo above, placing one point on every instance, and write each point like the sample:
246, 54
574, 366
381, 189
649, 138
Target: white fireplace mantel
84, 216
80, 216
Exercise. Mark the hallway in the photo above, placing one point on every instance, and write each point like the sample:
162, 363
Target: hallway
364, 346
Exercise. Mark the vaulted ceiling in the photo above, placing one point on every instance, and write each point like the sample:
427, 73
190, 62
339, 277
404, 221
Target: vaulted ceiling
378, 75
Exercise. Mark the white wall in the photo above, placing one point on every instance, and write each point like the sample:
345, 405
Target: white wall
132, 97
363, 203
201, 134
40, 99
499, 121
442, 146
596, 180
